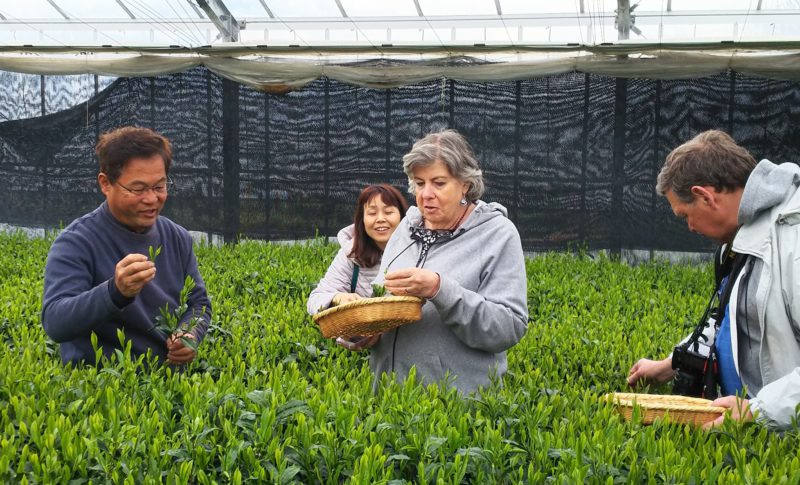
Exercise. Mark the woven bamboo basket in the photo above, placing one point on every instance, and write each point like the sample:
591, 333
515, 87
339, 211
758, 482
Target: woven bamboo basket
676, 409
368, 316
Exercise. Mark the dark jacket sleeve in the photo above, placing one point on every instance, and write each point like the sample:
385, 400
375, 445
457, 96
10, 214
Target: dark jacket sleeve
71, 306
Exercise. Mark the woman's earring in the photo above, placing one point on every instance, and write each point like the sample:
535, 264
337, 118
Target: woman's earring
463, 201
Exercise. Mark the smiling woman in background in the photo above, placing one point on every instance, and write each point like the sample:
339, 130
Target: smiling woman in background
463, 255
379, 210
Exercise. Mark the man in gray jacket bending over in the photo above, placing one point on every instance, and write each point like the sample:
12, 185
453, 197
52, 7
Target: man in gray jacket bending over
753, 208
98, 278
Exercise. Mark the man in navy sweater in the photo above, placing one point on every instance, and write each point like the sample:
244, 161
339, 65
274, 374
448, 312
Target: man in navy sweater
98, 278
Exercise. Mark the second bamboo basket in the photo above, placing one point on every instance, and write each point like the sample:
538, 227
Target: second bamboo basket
677, 409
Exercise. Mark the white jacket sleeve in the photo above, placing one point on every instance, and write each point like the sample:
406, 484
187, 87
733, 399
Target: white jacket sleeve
777, 403
775, 406
336, 280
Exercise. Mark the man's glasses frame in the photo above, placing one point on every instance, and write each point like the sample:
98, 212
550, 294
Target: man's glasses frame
158, 189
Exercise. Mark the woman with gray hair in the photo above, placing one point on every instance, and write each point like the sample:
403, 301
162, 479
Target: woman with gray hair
464, 256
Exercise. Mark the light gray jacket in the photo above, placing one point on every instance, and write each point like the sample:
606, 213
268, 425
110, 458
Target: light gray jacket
339, 275
770, 217
479, 312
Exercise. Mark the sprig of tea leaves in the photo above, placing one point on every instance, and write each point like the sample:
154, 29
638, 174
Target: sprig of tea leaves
169, 322
378, 291
154, 252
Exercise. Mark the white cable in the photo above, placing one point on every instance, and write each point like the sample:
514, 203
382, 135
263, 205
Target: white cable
578, 18
188, 29
158, 21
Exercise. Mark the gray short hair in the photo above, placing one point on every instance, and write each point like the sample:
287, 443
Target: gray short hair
711, 158
454, 151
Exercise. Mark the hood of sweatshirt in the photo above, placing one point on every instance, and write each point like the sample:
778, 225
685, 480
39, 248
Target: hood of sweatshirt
482, 213
346, 235
768, 185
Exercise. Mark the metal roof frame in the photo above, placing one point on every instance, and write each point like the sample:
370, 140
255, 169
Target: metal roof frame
221, 20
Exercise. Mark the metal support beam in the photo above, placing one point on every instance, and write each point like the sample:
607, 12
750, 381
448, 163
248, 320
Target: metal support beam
341, 8
127, 11
419, 9
222, 18
617, 226
269, 12
55, 6
784, 18
528, 26
623, 20
231, 157
196, 10
43, 95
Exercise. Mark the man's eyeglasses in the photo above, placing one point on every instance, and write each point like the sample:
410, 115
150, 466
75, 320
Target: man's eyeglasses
159, 189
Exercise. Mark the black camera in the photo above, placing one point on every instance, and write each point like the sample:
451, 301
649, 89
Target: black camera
695, 366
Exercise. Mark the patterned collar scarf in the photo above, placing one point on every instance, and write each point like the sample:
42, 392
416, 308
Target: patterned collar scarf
429, 237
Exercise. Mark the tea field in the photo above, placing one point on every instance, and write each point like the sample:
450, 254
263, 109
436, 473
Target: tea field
270, 401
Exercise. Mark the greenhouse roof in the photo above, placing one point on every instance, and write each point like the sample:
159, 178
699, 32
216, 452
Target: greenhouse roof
375, 23
282, 44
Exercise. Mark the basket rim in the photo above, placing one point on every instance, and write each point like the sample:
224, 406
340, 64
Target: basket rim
364, 302
665, 402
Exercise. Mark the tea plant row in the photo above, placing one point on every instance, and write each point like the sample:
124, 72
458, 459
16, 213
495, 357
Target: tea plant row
270, 400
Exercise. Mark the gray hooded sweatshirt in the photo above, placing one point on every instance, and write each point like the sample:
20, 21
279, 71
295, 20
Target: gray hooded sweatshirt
769, 214
479, 312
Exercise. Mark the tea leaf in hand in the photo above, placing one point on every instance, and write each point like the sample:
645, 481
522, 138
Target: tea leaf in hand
189, 342
169, 321
188, 286
378, 291
154, 252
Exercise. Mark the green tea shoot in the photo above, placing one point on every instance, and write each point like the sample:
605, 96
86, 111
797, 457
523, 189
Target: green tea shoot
154, 252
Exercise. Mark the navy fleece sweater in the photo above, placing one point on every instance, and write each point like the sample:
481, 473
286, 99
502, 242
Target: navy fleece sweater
80, 296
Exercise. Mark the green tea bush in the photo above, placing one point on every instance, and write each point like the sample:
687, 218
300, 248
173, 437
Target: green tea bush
268, 400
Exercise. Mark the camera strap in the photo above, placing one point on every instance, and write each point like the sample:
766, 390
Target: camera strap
727, 266
736, 268
723, 264
723, 260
